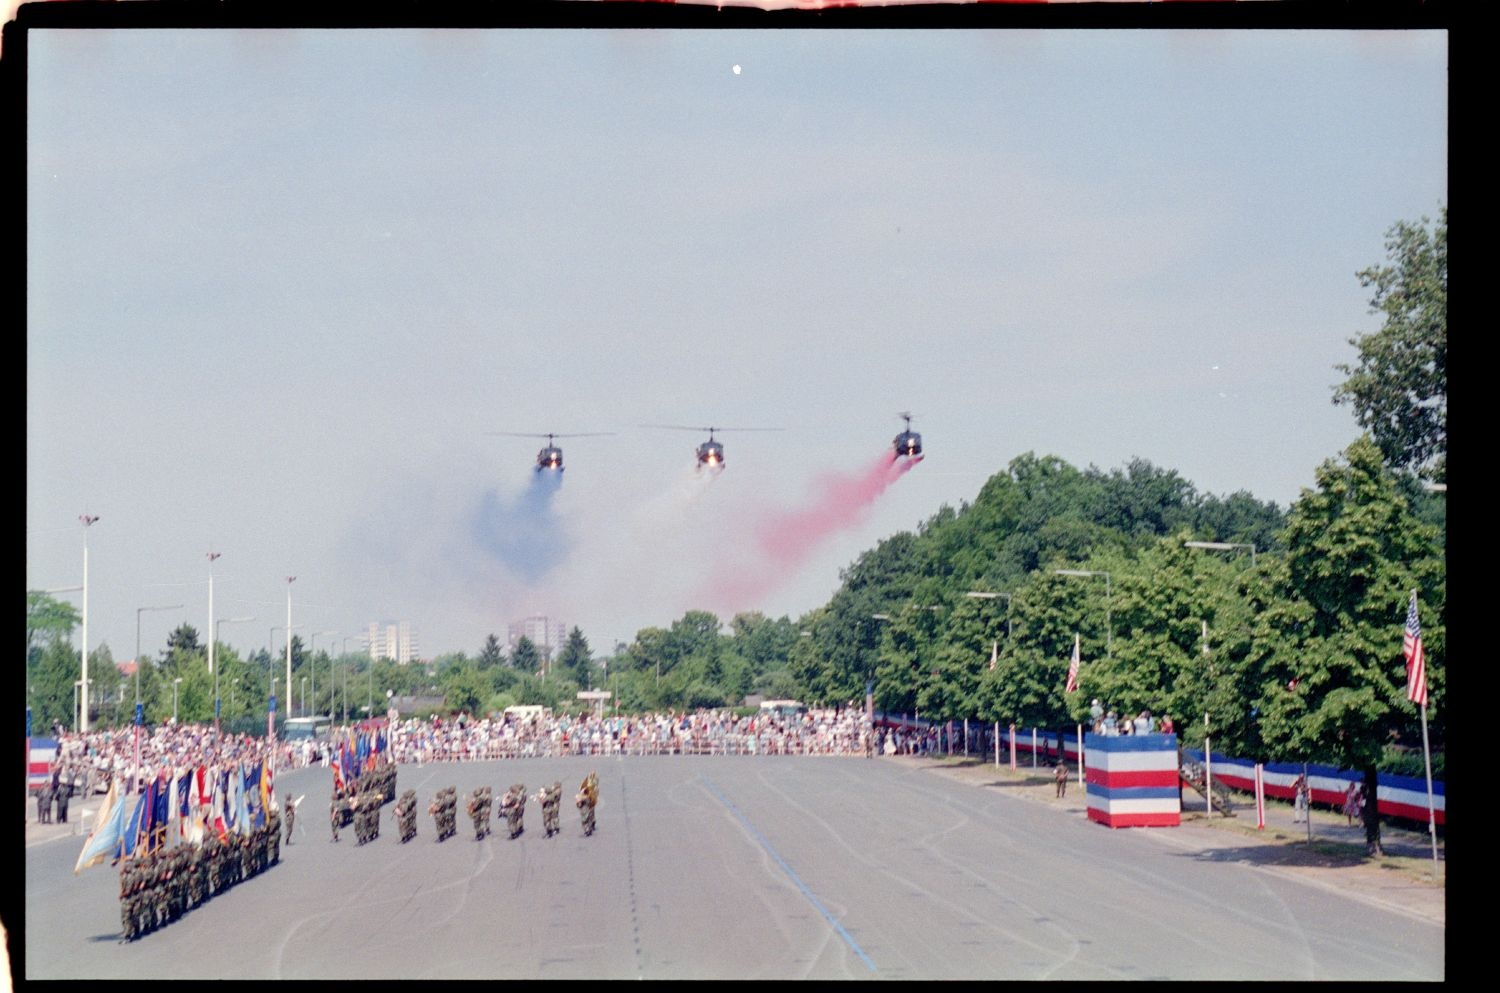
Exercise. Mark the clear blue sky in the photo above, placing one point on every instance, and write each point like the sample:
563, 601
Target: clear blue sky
282, 285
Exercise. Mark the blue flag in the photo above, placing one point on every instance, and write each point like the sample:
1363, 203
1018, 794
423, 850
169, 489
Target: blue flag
134, 826
104, 839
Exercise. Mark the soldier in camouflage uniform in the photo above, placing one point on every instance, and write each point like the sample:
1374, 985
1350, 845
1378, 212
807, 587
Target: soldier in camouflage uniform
336, 808
211, 863
273, 838
550, 798
127, 902
513, 806
443, 811
479, 809
291, 816
406, 815
586, 800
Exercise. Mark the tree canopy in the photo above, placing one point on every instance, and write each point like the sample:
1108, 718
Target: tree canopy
1399, 387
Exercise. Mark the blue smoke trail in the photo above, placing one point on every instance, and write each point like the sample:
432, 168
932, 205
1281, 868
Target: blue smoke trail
524, 533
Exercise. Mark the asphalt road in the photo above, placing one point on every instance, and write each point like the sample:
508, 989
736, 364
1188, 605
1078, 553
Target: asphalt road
729, 868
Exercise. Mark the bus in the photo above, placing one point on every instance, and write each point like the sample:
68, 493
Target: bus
789, 709
302, 728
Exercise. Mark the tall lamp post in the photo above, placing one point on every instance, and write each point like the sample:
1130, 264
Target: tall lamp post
304, 696
211, 628
289, 581
87, 520
1109, 630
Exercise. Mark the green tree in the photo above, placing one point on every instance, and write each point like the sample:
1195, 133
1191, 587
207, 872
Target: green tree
492, 656
184, 638
526, 658
48, 620
465, 689
1328, 646
1399, 389
575, 660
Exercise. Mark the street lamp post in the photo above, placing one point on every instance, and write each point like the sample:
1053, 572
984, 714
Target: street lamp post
211, 628
83, 715
1109, 630
174, 698
1222, 546
304, 696
289, 581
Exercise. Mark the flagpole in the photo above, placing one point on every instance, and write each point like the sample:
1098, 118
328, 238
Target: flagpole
1431, 815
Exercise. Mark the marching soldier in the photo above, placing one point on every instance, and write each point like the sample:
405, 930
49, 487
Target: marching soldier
273, 838
406, 815
513, 806
586, 800
336, 808
127, 902
291, 814
550, 799
479, 809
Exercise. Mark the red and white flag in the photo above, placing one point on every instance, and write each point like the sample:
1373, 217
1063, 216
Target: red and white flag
1072, 686
1416, 663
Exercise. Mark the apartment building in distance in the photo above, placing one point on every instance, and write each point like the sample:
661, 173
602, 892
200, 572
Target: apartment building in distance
391, 640
548, 634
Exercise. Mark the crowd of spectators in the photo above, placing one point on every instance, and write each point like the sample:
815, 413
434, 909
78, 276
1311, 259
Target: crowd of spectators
829, 731
89, 761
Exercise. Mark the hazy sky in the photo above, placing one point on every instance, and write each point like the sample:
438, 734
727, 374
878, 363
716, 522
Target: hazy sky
283, 286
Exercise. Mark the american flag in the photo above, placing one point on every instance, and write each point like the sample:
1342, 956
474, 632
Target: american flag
1072, 686
1416, 662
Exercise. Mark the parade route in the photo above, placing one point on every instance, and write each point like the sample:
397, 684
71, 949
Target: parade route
740, 867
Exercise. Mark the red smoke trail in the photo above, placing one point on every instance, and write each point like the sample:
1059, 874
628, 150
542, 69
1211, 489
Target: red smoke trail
788, 538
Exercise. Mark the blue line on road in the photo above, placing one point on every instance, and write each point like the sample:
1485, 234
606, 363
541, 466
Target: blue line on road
791, 874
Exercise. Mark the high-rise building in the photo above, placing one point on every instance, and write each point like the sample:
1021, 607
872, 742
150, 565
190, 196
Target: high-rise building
548, 634
388, 640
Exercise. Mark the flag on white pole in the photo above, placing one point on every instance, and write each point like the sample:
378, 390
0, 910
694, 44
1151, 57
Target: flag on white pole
1416, 662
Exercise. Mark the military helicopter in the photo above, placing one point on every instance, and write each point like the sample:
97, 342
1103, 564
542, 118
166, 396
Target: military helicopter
551, 456
908, 442
711, 452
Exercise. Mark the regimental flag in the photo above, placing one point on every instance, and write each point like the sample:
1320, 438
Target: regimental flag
1072, 686
267, 787
184, 804
104, 837
217, 821
135, 826
1416, 662
192, 820
338, 773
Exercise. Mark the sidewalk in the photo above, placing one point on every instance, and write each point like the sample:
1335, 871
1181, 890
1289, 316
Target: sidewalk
1405, 880
80, 819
